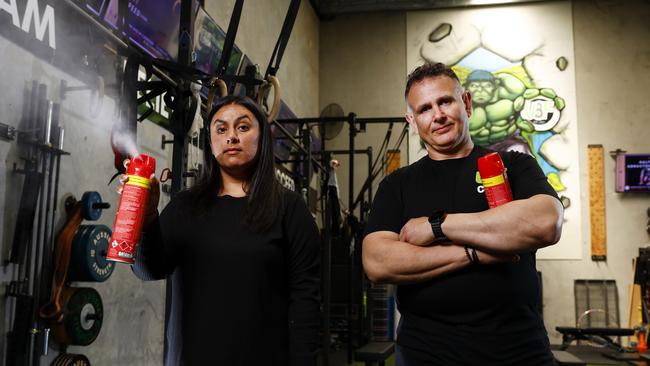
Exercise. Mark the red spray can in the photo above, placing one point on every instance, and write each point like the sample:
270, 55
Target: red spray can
130, 213
495, 180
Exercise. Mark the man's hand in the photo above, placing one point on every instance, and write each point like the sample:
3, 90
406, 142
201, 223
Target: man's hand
489, 258
417, 231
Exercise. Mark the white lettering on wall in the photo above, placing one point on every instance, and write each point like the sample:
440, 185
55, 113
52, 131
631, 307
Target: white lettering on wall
41, 24
285, 180
12, 9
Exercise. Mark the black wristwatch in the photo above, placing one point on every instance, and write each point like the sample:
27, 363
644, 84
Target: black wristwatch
436, 219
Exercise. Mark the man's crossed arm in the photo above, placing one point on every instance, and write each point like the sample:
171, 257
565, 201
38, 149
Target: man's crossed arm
497, 234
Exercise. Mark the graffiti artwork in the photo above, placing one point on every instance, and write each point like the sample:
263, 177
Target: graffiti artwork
516, 64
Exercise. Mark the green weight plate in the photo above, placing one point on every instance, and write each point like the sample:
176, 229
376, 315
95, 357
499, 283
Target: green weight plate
76, 255
84, 314
98, 238
74, 269
88, 262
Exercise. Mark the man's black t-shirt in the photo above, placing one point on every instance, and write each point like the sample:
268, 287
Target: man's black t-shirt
484, 315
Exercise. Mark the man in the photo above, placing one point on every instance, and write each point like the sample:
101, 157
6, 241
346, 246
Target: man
467, 289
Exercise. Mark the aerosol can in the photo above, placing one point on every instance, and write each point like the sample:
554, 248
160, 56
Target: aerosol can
130, 213
495, 180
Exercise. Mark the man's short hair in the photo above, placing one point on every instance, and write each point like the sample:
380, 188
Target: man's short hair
428, 70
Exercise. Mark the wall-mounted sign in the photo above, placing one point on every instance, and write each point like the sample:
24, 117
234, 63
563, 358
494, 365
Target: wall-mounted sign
32, 15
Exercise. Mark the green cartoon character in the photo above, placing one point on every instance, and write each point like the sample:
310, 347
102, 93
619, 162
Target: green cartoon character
509, 116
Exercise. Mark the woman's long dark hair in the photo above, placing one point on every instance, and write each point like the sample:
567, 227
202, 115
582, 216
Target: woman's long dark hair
263, 189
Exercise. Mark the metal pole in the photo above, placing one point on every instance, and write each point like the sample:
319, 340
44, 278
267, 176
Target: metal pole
48, 278
49, 222
306, 138
352, 135
357, 151
37, 267
327, 261
297, 144
180, 126
369, 172
342, 119
408, 145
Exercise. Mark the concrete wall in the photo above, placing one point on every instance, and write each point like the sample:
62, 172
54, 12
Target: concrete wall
259, 27
363, 68
362, 63
612, 73
359, 62
132, 333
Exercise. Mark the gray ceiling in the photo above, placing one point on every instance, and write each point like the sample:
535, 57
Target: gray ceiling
330, 8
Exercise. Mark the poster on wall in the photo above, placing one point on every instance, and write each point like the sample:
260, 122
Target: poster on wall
209, 41
518, 64
152, 26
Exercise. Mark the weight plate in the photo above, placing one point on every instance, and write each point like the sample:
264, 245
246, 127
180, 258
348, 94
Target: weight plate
89, 199
65, 359
88, 257
57, 360
75, 272
83, 304
87, 317
61, 360
80, 360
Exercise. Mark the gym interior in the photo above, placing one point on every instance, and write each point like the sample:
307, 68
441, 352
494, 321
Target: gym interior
87, 82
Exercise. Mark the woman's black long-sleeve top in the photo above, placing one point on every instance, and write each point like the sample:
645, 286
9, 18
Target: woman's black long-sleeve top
248, 298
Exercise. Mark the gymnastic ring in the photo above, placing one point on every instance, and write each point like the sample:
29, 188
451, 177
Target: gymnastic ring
271, 81
214, 84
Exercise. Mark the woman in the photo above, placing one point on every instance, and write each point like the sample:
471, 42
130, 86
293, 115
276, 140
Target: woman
248, 251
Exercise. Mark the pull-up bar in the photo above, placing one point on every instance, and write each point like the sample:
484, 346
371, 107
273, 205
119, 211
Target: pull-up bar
352, 120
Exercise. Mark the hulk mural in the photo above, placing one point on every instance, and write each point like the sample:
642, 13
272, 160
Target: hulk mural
511, 114
516, 61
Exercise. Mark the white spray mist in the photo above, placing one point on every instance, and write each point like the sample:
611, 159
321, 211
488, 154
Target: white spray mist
125, 141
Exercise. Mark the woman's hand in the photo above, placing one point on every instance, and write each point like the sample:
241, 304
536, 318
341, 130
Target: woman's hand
151, 208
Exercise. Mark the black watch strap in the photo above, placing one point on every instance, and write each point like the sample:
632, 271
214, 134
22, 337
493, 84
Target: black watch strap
436, 219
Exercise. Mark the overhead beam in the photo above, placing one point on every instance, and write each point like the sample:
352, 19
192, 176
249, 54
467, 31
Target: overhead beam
328, 8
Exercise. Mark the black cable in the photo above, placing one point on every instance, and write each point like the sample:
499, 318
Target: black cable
229, 41
381, 168
384, 145
397, 145
283, 38
375, 172
367, 182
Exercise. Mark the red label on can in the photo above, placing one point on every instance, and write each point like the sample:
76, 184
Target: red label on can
495, 180
128, 222
498, 194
